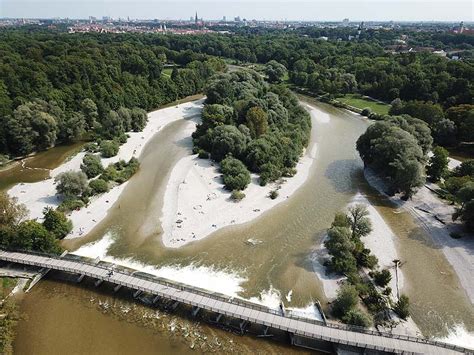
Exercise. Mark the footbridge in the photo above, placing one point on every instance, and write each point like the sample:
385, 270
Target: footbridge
302, 330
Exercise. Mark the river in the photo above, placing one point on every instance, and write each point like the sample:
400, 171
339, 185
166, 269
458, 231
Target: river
279, 267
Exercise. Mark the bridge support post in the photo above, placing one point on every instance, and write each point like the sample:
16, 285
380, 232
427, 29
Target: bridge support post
265, 333
80, 278
175, 305
137, 293
118, 287
195, 311
98, 283
218, 318
242, 326
156, 299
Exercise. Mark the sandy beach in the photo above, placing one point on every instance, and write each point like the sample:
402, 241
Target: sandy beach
37, 196
434, 216
382, 242
196, 203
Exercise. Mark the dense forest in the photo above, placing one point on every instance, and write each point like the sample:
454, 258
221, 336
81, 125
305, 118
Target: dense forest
57, 88
249, 124
115, 71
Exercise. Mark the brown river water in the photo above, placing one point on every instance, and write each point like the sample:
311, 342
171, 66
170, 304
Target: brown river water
62, 317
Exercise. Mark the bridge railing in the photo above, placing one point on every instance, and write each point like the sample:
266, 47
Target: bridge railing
237, 301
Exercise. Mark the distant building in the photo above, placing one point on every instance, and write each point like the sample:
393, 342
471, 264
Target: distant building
224, 19
237, 19
345, 22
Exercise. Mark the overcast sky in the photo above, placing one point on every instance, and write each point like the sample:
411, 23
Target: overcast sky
316, 10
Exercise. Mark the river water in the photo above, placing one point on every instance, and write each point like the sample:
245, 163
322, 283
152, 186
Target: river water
36, 167
279, 267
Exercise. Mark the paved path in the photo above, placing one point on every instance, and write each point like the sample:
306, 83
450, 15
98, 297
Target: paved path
240, 309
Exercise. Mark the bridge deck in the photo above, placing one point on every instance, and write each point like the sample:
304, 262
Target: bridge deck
238, 308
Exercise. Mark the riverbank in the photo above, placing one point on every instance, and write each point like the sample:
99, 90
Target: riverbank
37, 196
434, 216
383, 244
196, 203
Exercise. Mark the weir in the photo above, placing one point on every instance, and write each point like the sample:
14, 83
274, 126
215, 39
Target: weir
304, 332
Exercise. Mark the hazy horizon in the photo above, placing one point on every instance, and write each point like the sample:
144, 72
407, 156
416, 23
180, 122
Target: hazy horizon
365, 10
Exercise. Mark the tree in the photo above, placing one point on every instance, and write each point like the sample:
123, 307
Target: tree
31, 235
465, 196
346, 300
257, 121
438, 164
395, 153
56, 223
112, 126
408, 177
359, 223
109, 148
89, 110
139, 119
91, 165
235, 174
11, 212
72, 127
275, 71
340, 246
227, 140
71, 184
402, 307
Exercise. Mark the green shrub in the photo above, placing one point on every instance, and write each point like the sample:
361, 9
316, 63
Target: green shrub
91, 165
3, 160
121, 171
366, 112
109, 148
110, 173
273, 194
237, 195
69, 205
98, 186
402, 307
382, 278
202, 154
366, 259
374, 301
356, 317
91, 147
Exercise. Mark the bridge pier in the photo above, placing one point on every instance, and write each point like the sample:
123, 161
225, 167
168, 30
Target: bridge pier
137, 293
156, 299
195, 311
98, 283
218, 318
242, 326
265, 333
80, 278
118, 287
175, 305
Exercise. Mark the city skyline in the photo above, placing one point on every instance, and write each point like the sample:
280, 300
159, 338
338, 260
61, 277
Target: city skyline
367, 10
